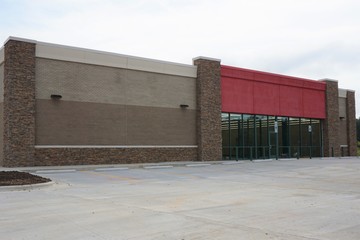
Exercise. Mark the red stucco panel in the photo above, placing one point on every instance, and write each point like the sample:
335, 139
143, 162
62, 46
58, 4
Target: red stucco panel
254, 92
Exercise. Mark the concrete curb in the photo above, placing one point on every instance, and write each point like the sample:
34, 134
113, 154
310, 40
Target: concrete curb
116, 167
288, 159
262, 160
26, 187
110, 167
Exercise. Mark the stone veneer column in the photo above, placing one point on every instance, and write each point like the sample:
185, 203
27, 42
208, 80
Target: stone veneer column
351, 123
19, 103
331, 123
208, 92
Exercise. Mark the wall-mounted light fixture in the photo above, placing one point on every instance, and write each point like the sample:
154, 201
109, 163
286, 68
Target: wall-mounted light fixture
55, 96
184, 105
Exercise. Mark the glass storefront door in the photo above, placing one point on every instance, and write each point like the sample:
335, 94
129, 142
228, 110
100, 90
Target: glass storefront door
248, 136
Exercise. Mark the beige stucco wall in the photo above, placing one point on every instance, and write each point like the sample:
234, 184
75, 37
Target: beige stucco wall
112, 106
81, 123
100, 58
2, 55
99, 84
342, 107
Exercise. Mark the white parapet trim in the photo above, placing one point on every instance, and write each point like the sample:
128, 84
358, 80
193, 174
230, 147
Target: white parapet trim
342, 93
88, 56
115, 146
20, 40
206, 58
328, 80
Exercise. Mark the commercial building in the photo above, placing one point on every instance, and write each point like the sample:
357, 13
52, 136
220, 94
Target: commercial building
63, 105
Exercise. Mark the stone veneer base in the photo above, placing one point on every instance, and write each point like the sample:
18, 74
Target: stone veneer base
85, 156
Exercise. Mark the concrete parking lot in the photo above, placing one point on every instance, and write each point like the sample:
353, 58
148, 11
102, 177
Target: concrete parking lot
299, 199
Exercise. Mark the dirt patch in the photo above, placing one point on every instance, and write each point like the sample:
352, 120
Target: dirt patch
11, 178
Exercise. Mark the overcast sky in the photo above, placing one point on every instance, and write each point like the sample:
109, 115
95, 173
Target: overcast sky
312, 39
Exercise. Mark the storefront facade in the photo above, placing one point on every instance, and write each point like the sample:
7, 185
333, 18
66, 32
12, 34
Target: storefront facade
62, 105
267, 115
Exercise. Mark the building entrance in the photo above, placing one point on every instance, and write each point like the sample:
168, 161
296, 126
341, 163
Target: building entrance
272, 144
247, 137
